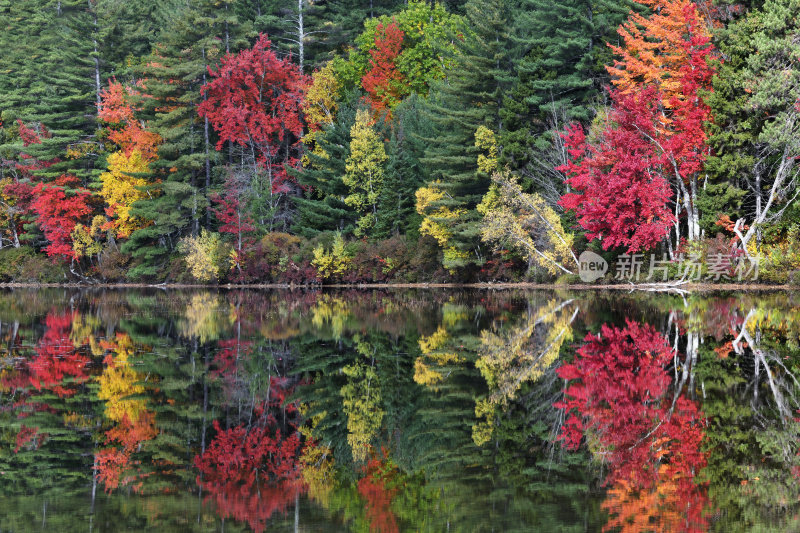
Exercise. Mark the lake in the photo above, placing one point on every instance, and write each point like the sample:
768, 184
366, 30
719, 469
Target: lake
404, 410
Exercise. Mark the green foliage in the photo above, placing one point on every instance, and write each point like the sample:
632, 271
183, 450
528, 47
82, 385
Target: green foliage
24, 265
321, 207
428, 36
457, 107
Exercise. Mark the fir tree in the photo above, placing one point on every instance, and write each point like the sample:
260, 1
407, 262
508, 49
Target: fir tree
560, 71
322, 207
404, 172
49, 81
469, 97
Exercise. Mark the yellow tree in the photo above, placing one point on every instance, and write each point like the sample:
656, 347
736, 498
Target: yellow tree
362, 402
119, 382
122, 186
320, 105
515, 219
127, 167
364, 170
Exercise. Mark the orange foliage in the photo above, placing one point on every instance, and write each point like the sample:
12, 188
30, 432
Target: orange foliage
130, 135
655, 48
664, 507
375, 488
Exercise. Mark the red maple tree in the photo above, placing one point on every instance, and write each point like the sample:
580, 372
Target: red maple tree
376, 488
384, 82
59, 207
255, 100
654, 140
620, 194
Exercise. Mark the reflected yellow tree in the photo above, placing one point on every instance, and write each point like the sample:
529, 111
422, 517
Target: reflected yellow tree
361, 401
518, 355
205, 317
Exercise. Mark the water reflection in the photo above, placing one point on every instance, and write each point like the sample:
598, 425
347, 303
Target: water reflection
398, 411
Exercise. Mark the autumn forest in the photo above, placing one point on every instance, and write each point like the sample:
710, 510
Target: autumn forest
333, 141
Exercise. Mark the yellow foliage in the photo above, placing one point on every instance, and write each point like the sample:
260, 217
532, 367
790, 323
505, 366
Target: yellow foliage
204, 255
205, 318
364, 170
519, 355
119, 381
330, 311
423, 375
317, 467
433, 341
437, 218
121, 189
331, 264
82, 331
87, 240
361, 403
486, 140
522, 221
319, 106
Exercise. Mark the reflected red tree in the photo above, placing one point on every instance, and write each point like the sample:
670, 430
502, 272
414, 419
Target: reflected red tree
56, 365
251, 471
620, 398
376, 488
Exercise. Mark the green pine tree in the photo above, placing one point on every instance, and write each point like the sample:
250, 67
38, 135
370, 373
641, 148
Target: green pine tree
322, 207
470, 97
562, 48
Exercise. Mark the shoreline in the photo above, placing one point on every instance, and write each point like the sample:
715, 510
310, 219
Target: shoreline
689, 287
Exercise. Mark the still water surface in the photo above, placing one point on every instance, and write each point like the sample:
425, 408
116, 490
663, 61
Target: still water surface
398, 411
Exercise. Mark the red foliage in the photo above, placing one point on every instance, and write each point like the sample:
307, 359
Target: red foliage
251, 473
56, 359
621, 196
59, 211
110, 463
28, 435
621, 184
618, 397
30, 136
375, 488
230, 211
255, 99
246, 456
383, 82
255, 507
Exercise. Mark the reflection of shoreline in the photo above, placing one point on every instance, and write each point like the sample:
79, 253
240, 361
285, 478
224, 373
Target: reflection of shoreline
698, 287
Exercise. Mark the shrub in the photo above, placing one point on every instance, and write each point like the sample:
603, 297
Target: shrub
24, 265
334, 264
205, 255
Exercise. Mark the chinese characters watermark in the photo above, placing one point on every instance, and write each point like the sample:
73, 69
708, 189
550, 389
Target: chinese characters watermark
635, 268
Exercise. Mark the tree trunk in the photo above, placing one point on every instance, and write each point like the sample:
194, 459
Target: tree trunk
300, 34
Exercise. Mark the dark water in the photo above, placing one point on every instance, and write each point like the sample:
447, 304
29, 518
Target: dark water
398, 411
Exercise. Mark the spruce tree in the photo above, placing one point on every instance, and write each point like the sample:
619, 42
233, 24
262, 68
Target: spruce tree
469, 97
562, 48
321, 208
